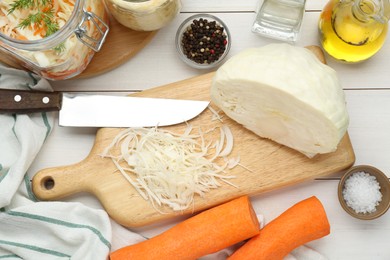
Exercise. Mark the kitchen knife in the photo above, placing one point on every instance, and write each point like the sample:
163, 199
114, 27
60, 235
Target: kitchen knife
102, 110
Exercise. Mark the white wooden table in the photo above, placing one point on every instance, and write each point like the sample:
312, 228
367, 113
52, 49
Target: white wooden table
367, 90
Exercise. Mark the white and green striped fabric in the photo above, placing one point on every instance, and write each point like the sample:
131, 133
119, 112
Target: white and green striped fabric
40, 230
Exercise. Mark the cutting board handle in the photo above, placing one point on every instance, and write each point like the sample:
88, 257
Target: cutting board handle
59, 182
87, 175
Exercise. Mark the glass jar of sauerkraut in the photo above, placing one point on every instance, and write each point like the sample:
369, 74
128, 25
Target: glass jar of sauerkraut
144, 15
53, 38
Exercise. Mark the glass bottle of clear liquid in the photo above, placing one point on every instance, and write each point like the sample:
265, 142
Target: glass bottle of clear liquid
354, 30
280, 19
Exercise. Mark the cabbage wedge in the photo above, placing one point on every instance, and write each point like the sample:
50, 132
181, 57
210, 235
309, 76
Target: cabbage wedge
283, 93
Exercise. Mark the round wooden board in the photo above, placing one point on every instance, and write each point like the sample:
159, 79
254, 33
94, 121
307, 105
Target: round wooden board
121, 45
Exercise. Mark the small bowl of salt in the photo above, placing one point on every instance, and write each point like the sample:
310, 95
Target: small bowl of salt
364, 192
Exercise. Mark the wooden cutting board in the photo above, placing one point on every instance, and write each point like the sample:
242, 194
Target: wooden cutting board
271, 165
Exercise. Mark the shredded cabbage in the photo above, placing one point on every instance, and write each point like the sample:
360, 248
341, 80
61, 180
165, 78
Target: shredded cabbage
170, 169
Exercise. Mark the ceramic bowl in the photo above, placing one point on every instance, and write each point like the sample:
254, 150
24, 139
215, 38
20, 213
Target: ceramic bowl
384, 184
180, 48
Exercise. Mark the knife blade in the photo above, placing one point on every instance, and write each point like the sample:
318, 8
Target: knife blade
84, 110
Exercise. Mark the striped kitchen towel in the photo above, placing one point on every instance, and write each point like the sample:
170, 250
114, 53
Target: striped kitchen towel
40, 230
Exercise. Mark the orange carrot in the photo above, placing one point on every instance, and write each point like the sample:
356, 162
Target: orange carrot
205, 233
21, 37
39, 31
303, 222
46, 9
69, 2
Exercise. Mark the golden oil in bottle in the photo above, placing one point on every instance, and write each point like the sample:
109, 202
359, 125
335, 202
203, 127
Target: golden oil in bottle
352, 31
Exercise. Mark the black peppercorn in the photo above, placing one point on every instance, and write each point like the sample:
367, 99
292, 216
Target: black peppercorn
204, 41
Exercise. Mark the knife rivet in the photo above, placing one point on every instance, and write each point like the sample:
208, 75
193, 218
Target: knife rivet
17, 98
45, 100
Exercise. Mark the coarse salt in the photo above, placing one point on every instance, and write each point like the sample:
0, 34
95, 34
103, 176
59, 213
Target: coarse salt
362, 192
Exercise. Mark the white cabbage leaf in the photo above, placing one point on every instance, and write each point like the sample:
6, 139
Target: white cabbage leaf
284, 93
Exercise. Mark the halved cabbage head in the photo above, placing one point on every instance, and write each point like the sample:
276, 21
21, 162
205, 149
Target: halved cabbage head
284, 93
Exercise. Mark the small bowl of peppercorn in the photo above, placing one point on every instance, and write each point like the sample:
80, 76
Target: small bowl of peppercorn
203, 41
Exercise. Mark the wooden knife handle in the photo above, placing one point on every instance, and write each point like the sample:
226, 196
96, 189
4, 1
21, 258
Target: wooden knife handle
25, 101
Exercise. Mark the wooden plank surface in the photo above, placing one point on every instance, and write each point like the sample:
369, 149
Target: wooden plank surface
159, 64
268, 165
368, 100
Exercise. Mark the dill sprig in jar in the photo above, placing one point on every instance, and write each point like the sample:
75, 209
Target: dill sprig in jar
55, 39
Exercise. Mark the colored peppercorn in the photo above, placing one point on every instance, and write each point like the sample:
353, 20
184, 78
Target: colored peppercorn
204, 41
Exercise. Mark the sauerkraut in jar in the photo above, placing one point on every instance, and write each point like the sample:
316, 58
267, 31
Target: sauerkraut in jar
144, 15
53, 38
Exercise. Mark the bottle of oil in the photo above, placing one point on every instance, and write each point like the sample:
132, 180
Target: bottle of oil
354, 30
